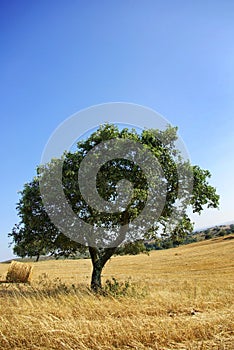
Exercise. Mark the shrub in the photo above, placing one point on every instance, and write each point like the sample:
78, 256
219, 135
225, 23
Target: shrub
115, 288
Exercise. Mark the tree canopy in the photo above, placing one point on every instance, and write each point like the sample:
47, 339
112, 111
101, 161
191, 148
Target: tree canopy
118, 186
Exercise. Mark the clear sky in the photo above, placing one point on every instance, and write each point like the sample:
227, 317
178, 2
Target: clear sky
58, 57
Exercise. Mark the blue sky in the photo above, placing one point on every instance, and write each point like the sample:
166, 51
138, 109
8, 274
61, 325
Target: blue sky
58, 57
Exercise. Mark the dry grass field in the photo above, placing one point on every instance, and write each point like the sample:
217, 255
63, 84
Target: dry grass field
180, 298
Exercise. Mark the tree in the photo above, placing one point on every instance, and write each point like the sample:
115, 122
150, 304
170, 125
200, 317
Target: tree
132, 248
177, 235
46, 203
36, 235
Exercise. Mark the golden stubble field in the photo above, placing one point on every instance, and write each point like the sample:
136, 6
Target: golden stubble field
183, 300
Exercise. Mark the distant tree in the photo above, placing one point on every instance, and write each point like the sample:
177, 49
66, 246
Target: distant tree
222, 232
132, 248
167, 243
35, 227
208, 234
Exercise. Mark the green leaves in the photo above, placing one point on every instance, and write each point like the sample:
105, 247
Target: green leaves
203, 193
36, 234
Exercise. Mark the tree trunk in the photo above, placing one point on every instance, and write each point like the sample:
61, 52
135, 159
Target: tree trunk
100, 257
38, 257
96, 284
99, 260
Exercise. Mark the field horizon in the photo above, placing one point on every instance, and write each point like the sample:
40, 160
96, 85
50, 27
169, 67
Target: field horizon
180, 298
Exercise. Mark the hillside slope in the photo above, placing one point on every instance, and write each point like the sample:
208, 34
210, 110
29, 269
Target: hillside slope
180, 298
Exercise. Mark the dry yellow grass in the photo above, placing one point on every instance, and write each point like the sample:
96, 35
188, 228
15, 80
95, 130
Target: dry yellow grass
188, 304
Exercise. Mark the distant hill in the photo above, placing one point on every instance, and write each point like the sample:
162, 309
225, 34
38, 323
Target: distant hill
161, 243
227, 223
215, 231
196, 236
32, 259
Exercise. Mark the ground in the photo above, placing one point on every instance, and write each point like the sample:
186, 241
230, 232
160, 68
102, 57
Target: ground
181, 298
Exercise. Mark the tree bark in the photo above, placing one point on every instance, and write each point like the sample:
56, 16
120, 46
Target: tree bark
99, 260
100, 257
96, 284
38, 257
97, 269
